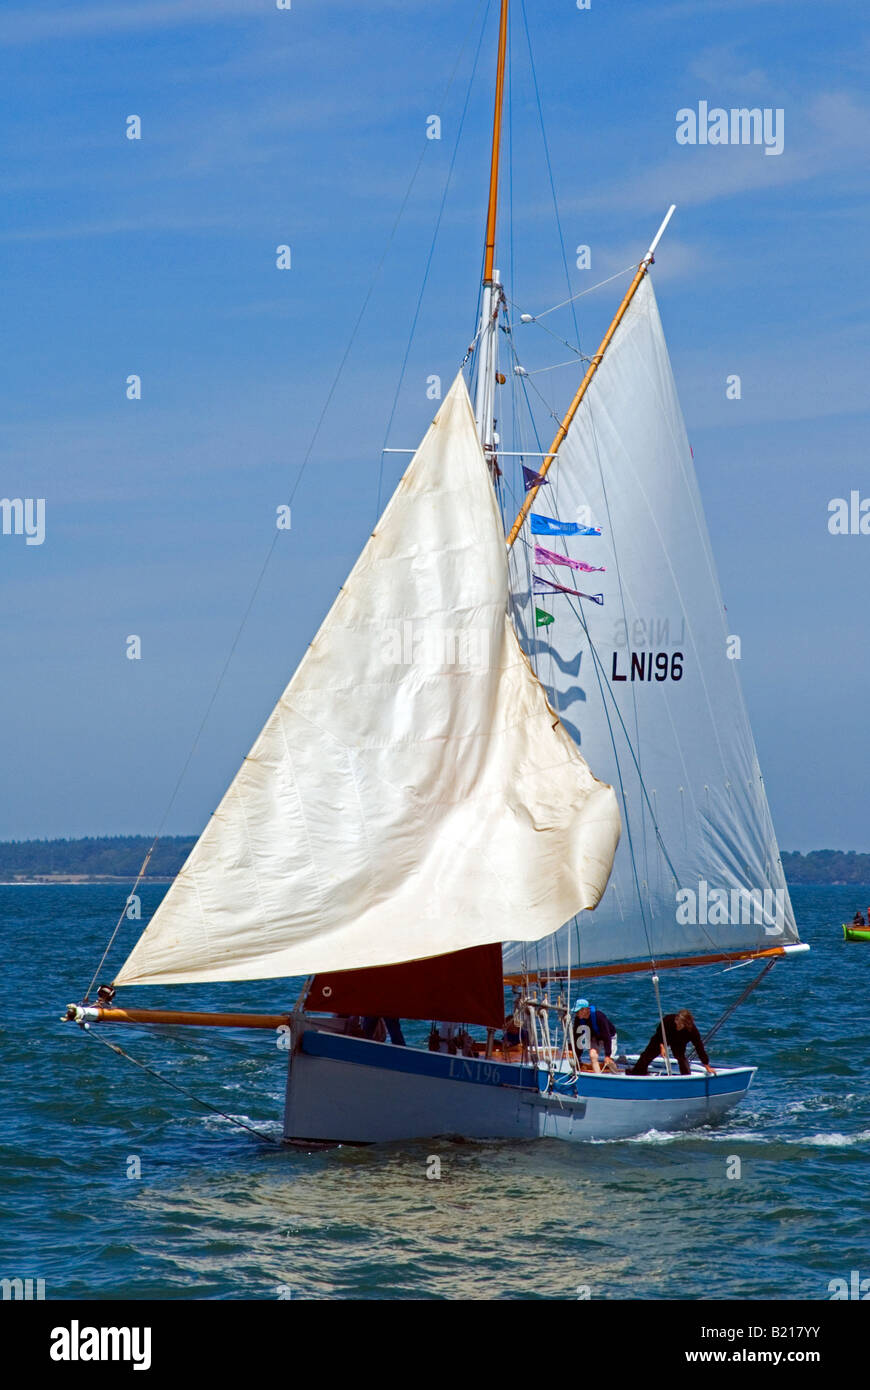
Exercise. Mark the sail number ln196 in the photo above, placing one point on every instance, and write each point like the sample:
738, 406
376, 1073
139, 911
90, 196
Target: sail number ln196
461, 1070
648, 666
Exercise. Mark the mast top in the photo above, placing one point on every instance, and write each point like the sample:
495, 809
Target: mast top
489, 256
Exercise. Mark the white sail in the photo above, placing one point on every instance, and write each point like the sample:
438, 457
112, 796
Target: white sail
412, 792
660, 712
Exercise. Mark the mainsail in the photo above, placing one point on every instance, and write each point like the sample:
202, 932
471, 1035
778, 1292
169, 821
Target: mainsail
646, 682
413, 792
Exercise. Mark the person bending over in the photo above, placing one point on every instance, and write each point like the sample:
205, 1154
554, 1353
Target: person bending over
679, 1031
602, 1034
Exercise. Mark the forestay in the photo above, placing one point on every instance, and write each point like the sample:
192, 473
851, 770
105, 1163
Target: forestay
412, 793
659, 712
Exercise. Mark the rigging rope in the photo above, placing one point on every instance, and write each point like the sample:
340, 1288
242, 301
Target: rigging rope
572, 362
549, 166
431, 254
581, 293
240, 1124
655, 985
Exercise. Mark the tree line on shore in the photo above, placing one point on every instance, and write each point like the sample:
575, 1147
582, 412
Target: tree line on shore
97, 856
120, 856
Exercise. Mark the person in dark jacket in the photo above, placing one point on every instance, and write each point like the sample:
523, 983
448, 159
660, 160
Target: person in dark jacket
679, 1031
393, 1027
602, 1034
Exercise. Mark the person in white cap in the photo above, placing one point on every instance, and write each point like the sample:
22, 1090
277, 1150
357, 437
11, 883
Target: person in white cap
594, 1023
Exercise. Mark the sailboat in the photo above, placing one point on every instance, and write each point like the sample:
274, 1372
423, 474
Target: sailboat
417, 831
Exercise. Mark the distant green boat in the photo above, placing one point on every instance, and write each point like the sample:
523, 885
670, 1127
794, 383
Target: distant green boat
856, 933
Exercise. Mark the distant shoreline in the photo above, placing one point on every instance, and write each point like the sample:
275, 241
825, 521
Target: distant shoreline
118, 859
112, 859
76, 881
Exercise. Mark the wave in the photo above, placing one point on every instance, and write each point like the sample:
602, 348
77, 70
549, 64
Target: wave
718, 1134
838, 1141
723, 1135
835, 1102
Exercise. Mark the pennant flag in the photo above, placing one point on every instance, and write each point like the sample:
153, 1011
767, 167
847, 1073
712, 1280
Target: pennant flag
532, 479
546, 586
543, 619
549, 557
549, 526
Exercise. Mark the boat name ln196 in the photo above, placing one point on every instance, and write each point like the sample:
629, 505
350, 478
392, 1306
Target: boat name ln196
660, 666
462, 1070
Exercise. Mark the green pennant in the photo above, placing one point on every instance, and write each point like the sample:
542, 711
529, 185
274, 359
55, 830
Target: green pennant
543, 619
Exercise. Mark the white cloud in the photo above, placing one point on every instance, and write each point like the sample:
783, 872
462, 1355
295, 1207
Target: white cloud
685, 9
86, 21
823, 136
25, 26
121, 226
724, 66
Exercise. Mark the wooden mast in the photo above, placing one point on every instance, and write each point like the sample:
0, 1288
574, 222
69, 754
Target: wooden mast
487, 333
492, 211
590, 372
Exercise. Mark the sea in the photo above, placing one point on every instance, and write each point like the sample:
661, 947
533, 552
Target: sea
114, 1185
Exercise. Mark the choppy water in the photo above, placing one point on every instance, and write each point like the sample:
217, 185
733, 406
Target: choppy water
219, 1214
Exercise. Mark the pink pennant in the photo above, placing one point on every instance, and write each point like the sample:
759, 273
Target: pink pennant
549, 557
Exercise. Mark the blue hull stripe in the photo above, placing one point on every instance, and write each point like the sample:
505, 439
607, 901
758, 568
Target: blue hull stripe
416, 1063
479, 1072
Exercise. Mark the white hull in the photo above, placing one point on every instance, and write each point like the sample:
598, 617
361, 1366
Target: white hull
350, 1090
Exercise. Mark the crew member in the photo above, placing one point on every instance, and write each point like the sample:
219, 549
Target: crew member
602, 1034
515, 1035
393, 1027
679, 1031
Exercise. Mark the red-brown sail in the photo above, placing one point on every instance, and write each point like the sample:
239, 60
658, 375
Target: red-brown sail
460, 987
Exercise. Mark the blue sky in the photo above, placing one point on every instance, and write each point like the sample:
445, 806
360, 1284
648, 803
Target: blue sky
157, 257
